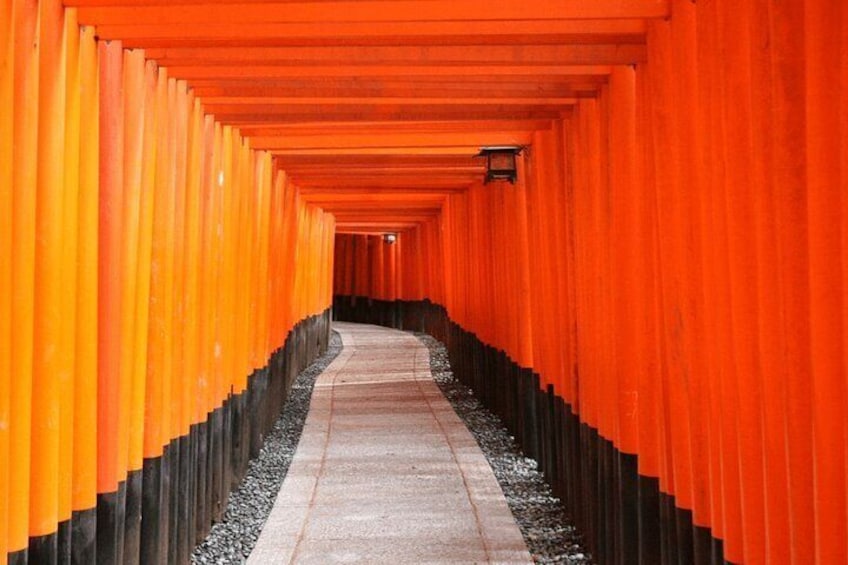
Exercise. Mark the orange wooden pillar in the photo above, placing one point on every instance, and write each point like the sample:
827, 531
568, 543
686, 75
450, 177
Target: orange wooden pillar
191, 235
254, 221
144, 448
392, 270
228, 261
524, 285
376, 252
325, 246
590, 264
205, 304
458, 241
296, 306
85, 410
340, 264
537, 311
511, 202
565, 242
340, 267
206, 298
434, 251
545, 159
825, 152
622, 120
218, 372
448, 243
644, 310
196, 408
176, 401
360, 261
629, 307
675, 326
706, 182
287, 250
24, 157
247, 230
287, 256
467, 304
498, 316
155, 508
109, 305
217, 255
481, 257
310, 227
242, 275
133, 145
742, 262
264, 175
276, 263
299, 214
763, 172
330, 244
7, 77
560, 243
291, 223
553, 166
274, 236
70, 215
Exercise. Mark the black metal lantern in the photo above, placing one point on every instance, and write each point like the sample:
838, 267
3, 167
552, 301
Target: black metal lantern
500, 162
390, 238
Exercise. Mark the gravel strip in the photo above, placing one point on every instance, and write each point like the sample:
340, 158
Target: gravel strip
232, 540
547, 530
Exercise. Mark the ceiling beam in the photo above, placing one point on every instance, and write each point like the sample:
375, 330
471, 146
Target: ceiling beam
467, 150
308, 193
261, 103
374, 228
340, 161
378, 127
399, 184
380, 173
385, 214
311, 114
303, 71
457, 88
371, 11
536, 32
438, 55
365, 140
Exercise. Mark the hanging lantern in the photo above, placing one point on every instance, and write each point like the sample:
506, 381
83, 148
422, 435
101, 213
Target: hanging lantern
500, 162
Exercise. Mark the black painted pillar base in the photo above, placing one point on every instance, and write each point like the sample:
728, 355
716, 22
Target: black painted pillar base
649, 520
63, 543
44, 549
151, 509
107, 528
132, 521
84, 537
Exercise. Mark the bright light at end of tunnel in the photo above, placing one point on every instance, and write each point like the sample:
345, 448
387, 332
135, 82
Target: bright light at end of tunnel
390, 238
220, 178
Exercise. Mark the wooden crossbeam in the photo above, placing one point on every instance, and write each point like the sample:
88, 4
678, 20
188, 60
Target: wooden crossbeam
264, 12
435, 55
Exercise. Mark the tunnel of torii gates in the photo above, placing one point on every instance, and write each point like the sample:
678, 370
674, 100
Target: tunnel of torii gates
657, 307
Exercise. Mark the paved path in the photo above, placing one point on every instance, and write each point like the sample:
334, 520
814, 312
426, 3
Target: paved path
385, 471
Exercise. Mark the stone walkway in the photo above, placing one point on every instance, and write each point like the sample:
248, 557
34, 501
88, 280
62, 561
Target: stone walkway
385, 471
